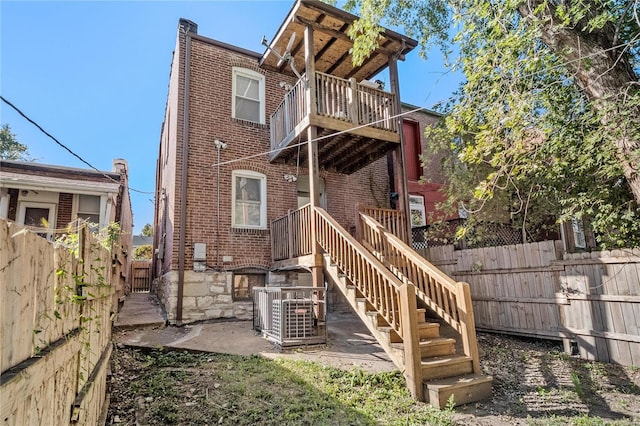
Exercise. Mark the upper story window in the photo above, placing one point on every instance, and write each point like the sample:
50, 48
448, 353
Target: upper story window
89, 208
249, 194
248, 95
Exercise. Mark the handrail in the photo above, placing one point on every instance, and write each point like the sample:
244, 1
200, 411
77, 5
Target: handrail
393, 220
451, 300
376, 283
337, 98
291, 111
291, 234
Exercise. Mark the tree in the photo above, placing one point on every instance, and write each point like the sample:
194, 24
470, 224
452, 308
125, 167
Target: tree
548, 120
144, 252
10, 148
147, 230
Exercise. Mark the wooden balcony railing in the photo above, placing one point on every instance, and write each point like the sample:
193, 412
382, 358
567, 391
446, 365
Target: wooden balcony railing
449, 299
291, 234
336, 98
291, 111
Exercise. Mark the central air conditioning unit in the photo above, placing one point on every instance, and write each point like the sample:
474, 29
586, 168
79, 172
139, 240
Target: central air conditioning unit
292, 318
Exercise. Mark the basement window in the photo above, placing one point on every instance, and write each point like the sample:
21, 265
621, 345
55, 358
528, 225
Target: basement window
244, 283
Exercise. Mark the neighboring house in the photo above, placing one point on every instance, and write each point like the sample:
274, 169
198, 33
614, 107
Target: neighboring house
48, 198
142, 240
424, 183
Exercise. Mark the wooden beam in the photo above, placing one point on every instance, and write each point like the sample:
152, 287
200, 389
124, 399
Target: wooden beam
341, 35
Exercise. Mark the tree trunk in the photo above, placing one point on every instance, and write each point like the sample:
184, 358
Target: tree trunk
605, 75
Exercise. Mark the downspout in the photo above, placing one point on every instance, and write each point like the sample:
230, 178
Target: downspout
187, 26
219, 145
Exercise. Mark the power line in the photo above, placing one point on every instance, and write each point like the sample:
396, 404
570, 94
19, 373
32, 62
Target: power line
65, 147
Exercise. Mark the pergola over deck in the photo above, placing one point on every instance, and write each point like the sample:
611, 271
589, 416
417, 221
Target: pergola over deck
353, 119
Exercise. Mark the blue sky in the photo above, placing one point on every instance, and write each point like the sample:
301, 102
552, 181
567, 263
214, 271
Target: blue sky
95, 74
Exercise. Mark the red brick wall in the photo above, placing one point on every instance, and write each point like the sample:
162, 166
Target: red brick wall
65, 208
210, 119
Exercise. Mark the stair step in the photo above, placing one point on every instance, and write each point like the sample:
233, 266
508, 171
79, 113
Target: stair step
446, 366
367, 305
465, 389
394, 337
422, 315
438, 346
428, 330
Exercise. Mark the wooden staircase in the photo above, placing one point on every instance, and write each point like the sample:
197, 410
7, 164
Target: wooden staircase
385, 282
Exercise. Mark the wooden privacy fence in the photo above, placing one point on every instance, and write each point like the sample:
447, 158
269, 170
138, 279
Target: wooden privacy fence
591, 301
56, 329
140, 276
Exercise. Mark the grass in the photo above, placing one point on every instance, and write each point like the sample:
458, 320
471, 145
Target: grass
188, 388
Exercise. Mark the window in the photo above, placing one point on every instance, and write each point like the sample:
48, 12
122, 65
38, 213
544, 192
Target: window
89, 208
248, 95
418, 215
38, 215
249, 199
243, 285
578, 234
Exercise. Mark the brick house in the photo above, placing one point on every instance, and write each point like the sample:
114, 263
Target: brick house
276, 170
49, 197
218, 241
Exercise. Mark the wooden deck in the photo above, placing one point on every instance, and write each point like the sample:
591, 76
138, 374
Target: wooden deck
356, 124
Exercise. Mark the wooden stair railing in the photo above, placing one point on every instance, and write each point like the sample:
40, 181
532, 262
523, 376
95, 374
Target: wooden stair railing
393, 220
449, 299
393, 300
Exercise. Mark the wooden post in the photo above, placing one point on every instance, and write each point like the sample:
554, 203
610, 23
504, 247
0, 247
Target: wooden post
468, 325
353, 101
399, 160
411, 341
290, 235
312, 154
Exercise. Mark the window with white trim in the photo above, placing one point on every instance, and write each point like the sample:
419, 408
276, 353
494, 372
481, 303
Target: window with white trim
418, 214
248, 95
89, 208
249, 199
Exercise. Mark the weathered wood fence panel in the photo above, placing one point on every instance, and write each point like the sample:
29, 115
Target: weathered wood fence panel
601, 314
589, 300
55, 329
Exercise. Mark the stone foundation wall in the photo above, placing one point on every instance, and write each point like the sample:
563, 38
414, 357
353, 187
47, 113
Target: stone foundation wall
206, 295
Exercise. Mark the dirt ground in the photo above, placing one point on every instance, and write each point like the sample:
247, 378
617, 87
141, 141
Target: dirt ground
534, 381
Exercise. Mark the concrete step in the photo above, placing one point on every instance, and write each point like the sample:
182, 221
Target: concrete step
465, 389
439, 346
446, 366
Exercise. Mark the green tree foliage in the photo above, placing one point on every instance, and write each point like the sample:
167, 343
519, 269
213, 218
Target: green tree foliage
144, 252
147, 230
10, 148
547, 123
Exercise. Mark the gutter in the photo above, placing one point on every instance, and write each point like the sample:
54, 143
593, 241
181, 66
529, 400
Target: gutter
188, 27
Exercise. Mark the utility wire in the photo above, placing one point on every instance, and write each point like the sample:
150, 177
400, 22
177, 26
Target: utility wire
65, 147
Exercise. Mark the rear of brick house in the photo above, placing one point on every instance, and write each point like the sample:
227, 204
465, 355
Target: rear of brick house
235, 256
230, 249
279, 170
